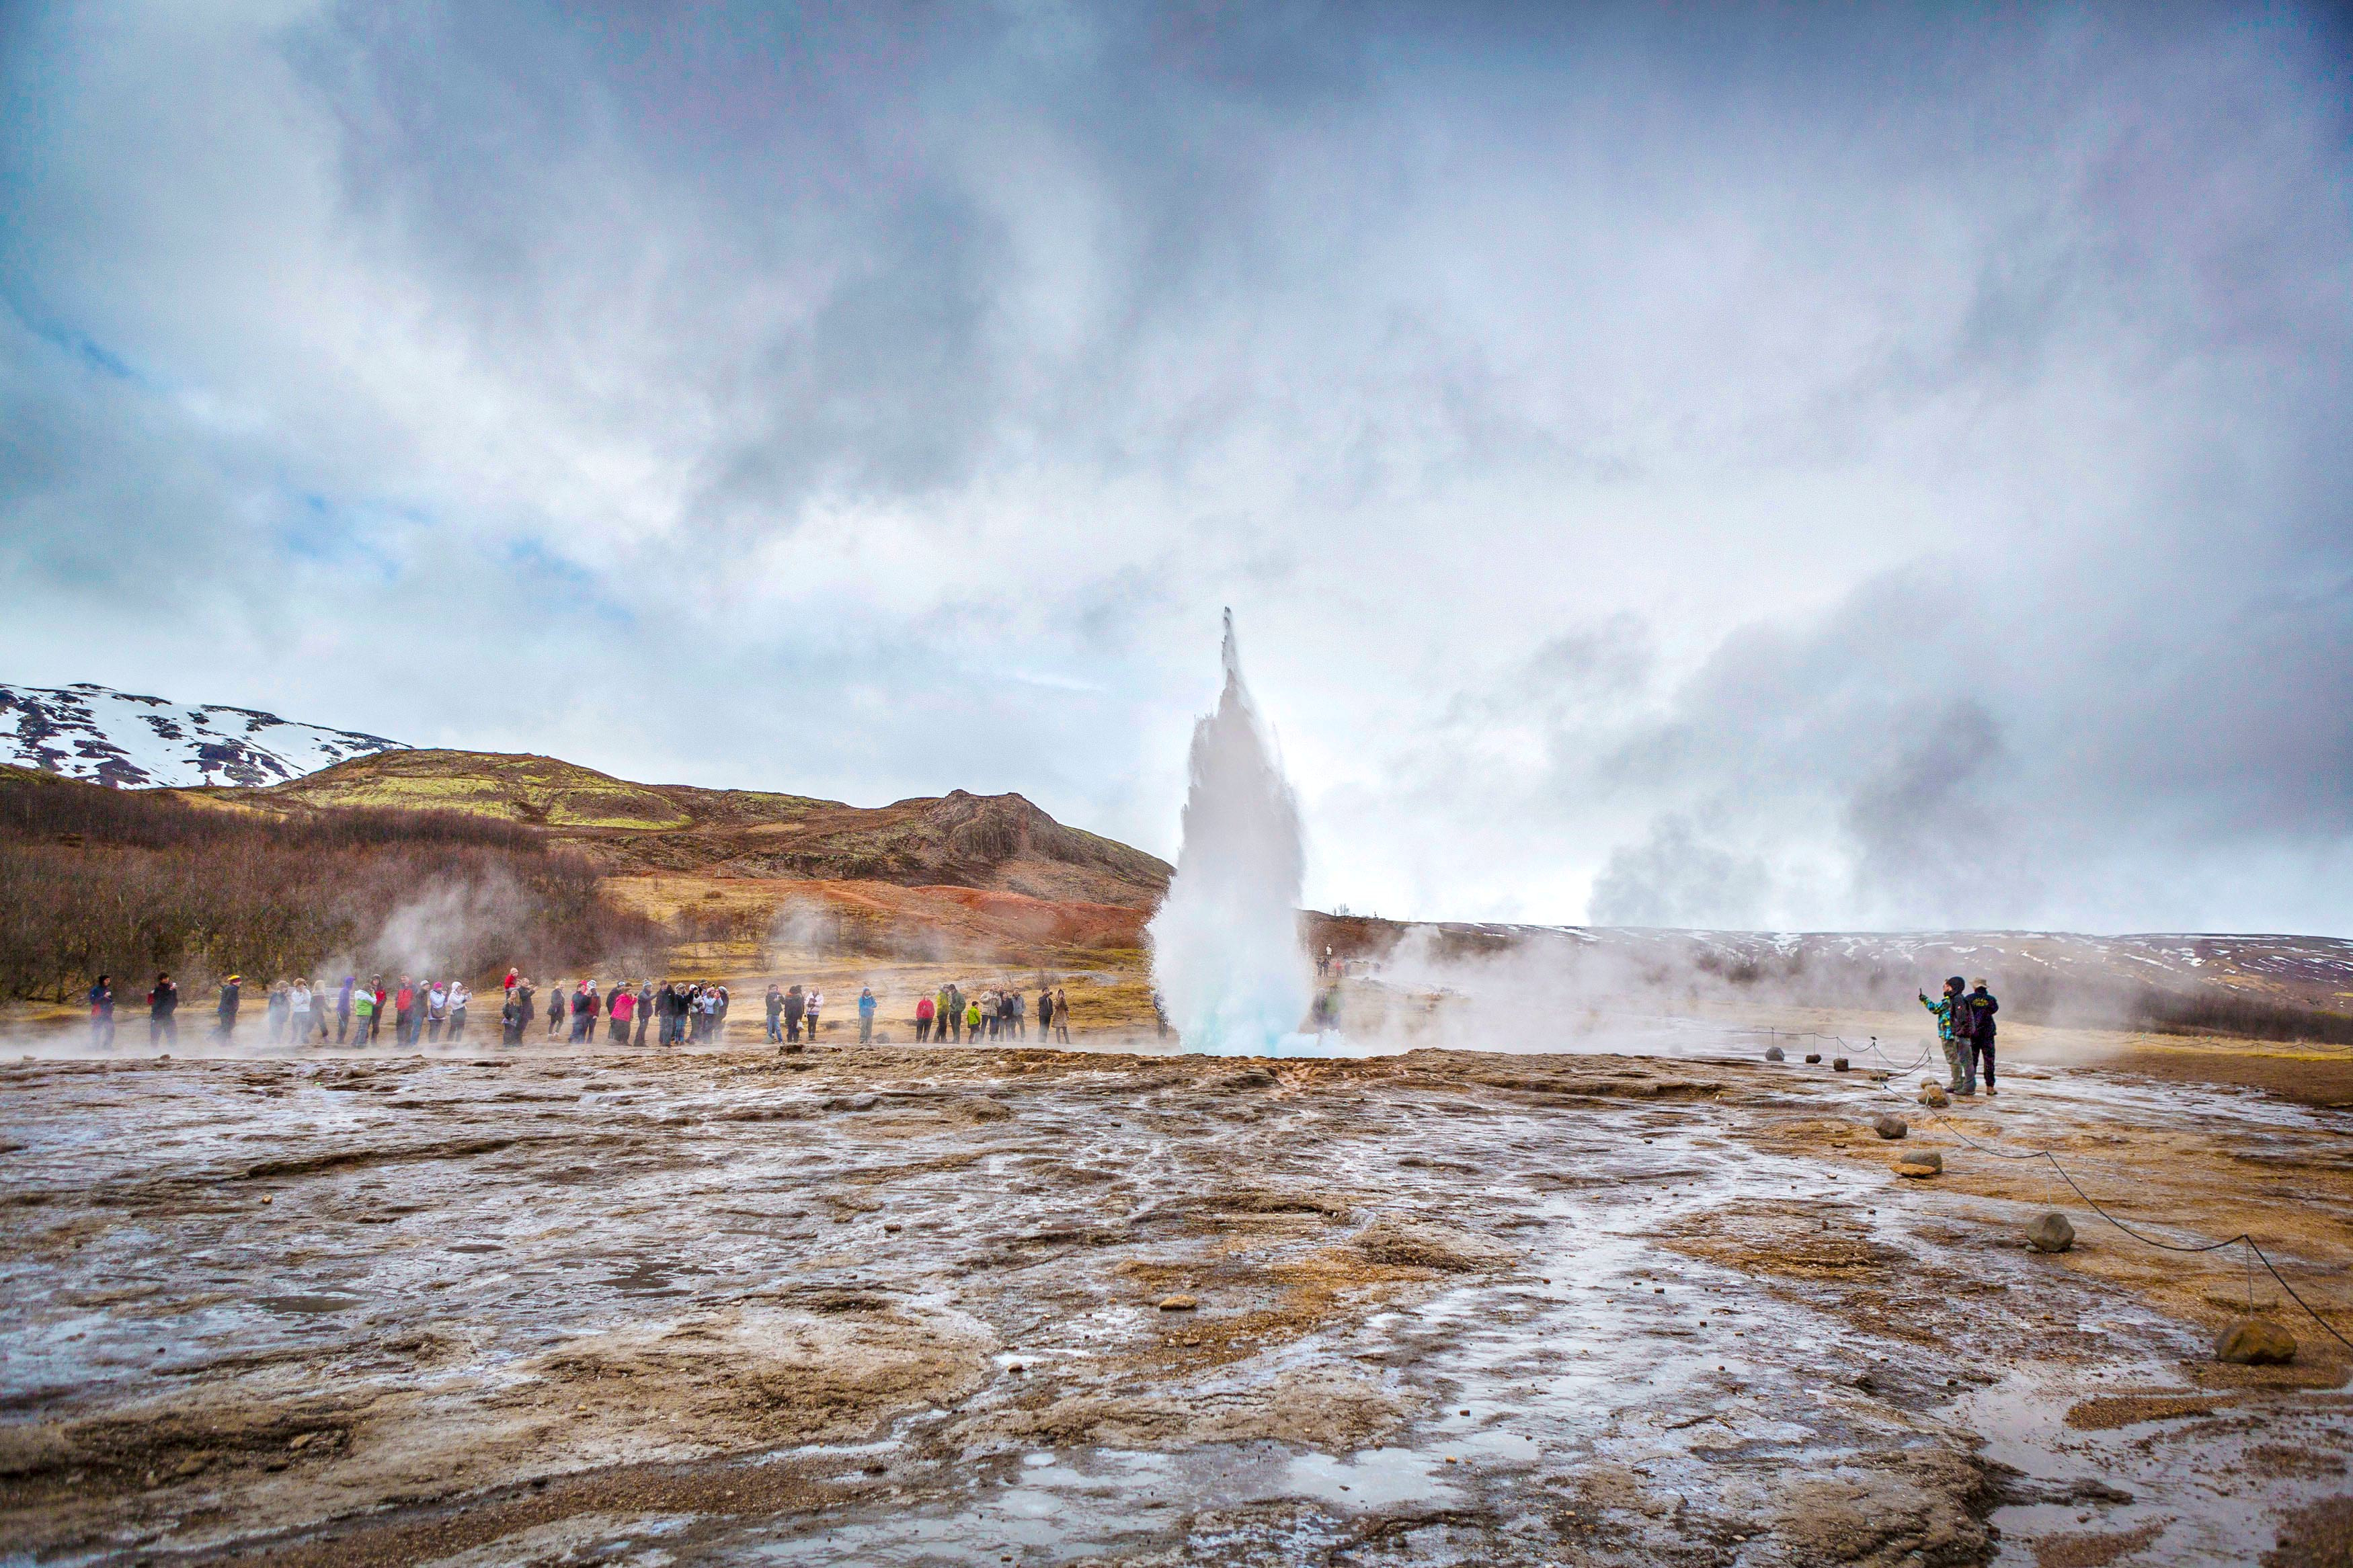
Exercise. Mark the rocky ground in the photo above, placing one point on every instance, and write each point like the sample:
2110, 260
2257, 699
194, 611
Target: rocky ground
984, 1306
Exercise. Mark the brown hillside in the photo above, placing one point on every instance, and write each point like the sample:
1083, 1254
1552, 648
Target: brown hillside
994, 842
879, 919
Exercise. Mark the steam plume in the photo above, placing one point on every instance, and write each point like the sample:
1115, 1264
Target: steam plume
1226, 951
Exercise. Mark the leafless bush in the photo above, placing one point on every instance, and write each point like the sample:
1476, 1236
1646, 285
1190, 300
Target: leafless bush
94, 880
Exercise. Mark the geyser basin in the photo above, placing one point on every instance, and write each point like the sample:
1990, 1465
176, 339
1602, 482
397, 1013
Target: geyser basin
1650, 1313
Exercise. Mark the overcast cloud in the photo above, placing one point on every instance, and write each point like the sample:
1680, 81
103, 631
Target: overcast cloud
1823, 468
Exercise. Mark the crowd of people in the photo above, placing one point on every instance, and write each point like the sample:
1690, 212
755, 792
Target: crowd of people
676, 1012
1001, 1014
300, 1011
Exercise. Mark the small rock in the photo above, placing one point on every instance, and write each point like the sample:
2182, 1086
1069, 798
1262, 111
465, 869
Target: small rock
892, 1226
1891, 1127
2254, 1341
1920, 1162
303, 1441
1838, 1063
1773, 1054
1177, 1303
2051, 1233
1934, 1096
1813, 1056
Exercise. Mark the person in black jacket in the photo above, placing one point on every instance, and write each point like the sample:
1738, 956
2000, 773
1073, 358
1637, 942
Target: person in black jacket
1982, 1007
231, 992
162, 1007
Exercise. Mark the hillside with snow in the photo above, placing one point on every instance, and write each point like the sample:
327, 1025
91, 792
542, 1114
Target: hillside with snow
88, 731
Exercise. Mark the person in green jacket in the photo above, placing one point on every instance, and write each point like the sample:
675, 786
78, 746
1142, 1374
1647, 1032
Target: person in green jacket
363, 1013
1952, 1024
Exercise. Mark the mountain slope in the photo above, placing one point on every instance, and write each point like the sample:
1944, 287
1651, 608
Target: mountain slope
88, 731
994, 842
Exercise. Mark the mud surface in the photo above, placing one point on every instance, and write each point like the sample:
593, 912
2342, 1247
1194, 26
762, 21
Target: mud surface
895, 1306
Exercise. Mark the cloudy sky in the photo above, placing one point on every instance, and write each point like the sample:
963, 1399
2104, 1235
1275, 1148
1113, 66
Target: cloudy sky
1838, 468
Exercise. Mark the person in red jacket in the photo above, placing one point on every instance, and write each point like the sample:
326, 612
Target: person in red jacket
620, 1010
375, 1019
925, 1010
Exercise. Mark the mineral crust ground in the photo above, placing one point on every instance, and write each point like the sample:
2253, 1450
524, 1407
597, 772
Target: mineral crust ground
898, 1305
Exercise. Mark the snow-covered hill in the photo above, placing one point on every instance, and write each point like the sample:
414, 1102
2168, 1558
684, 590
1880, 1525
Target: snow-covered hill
87, 732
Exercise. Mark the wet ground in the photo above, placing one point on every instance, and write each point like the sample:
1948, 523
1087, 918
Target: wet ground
900, 1306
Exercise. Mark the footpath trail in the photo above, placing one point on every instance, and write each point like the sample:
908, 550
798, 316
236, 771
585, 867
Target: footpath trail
1018, 1306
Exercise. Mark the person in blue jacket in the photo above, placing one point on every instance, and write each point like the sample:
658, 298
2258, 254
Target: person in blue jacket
1953, 1032
102, 1013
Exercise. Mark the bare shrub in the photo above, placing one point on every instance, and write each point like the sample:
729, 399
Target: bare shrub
95, 881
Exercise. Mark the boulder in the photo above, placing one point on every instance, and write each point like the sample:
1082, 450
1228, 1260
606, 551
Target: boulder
1813, 1056
1891, 1127
1920, 1162
1933, 1095
1773, 1054
1838, 1063
1178, 1303
2254, 1341
2051, 1233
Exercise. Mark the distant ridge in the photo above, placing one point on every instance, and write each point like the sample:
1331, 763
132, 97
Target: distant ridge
115, 738
1001, 842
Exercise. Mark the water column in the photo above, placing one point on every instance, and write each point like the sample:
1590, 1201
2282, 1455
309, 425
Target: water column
1226, 950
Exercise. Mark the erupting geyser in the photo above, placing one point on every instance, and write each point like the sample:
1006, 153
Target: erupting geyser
1226, 950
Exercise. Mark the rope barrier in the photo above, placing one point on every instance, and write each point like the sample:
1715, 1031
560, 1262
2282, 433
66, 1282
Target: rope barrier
2254, 1250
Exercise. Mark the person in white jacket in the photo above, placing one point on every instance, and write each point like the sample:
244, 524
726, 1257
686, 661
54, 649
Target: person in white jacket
436, 1009
808, 1011
298, 1013
457, 998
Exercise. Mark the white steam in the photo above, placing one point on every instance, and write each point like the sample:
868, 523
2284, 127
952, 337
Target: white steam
1226, 950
